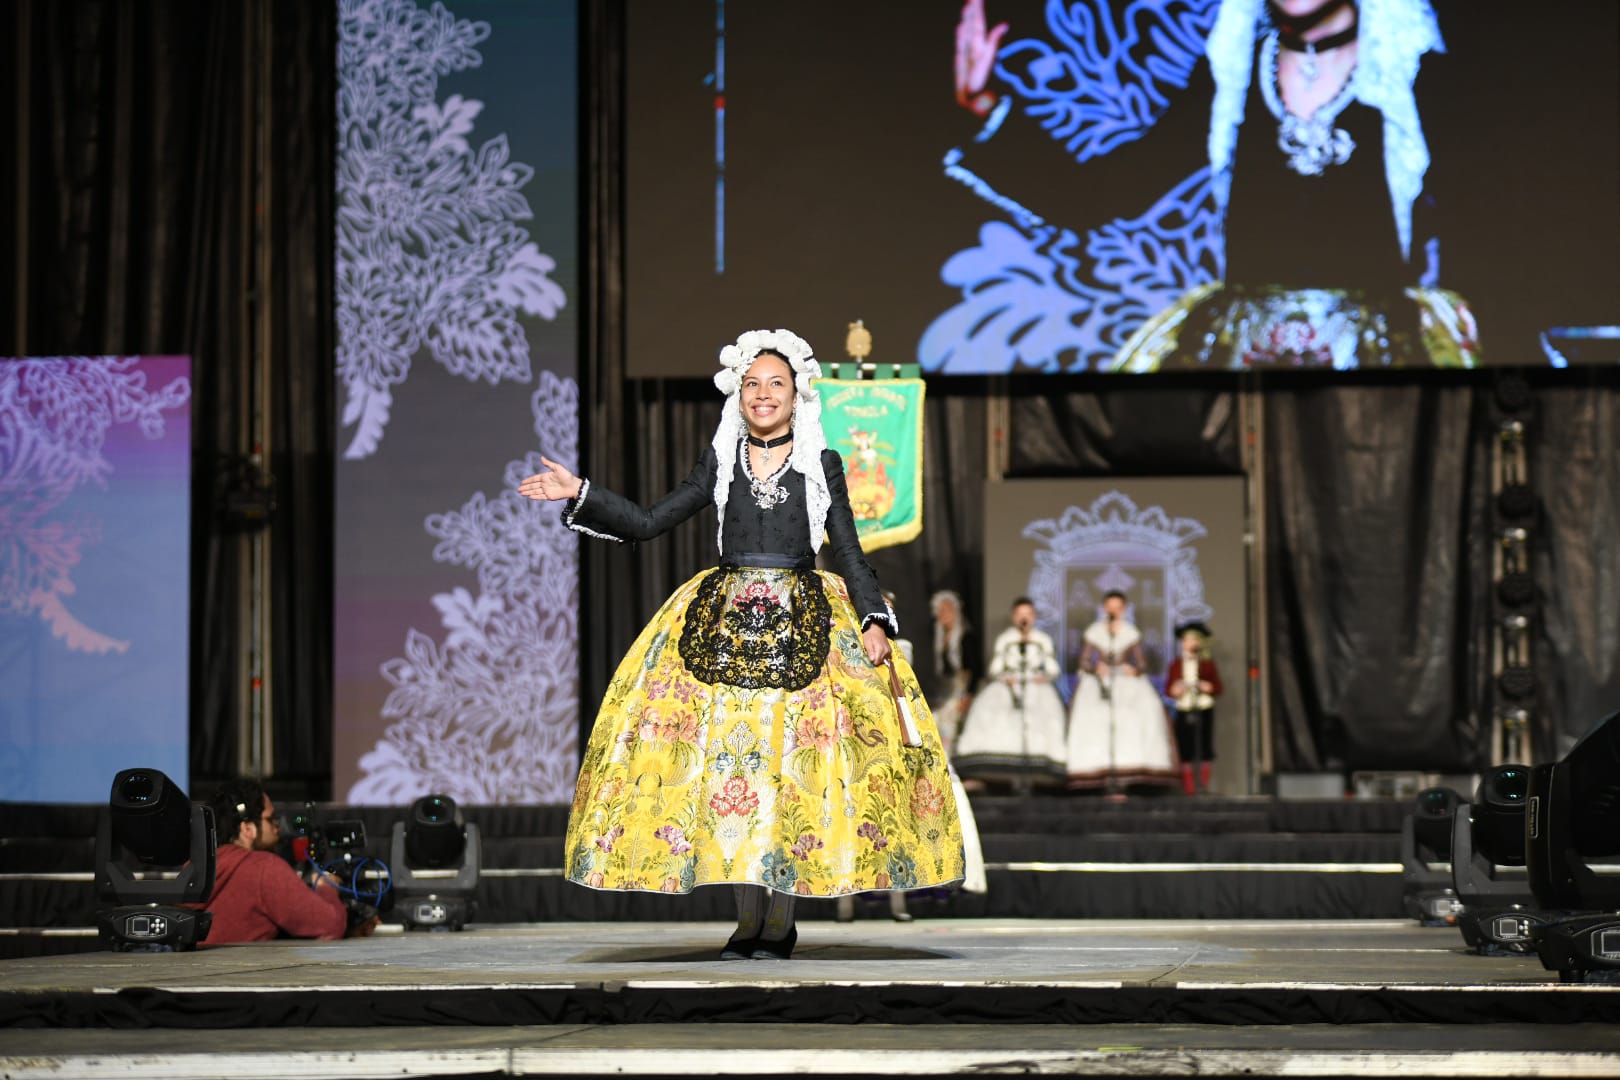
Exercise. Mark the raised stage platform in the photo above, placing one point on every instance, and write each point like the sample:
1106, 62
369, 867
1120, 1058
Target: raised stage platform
934, 997
1064, 857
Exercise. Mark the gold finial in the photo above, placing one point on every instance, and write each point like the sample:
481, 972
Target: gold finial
858, 342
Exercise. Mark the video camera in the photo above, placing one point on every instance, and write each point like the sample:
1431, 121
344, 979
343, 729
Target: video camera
340, 842
335, 849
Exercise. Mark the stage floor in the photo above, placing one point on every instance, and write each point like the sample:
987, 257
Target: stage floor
874, 997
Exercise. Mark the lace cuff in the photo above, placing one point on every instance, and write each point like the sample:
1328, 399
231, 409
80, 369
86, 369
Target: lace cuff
885, 619
571, 510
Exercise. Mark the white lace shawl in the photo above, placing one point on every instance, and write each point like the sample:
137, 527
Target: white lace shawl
808, 438
1392, 38
1126, 636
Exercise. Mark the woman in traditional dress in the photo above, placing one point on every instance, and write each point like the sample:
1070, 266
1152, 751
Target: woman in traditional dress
1014, 730
754, 735
953, 662
1118, 732
1305, 114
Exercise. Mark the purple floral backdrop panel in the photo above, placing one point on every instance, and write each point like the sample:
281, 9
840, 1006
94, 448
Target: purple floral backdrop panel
456, 601
95, 520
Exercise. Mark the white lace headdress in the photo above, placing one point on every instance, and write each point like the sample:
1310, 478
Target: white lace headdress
808, 439
1392, 38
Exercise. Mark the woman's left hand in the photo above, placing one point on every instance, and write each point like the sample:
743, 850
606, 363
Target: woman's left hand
876, 642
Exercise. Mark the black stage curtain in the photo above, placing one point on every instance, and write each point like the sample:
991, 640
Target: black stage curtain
1378, 573
1575, 551
1381, 535
143, 129
1119, 426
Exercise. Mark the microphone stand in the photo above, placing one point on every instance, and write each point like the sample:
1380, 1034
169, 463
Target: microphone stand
1023, 784
1112, 787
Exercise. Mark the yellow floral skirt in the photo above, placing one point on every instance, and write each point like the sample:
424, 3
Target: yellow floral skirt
746, 739
1259, 327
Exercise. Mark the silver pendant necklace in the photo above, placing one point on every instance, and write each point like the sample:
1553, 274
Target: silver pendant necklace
768, 492
1311, 144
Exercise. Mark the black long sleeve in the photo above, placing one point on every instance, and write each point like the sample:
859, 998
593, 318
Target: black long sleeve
864, 593
610, 516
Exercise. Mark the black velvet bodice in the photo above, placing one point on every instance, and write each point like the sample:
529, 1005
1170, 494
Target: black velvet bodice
1335, 230
783, 529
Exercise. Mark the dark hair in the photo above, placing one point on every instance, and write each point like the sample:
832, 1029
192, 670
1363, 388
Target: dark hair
793, 376
1111, 593
236, 802
1021, 601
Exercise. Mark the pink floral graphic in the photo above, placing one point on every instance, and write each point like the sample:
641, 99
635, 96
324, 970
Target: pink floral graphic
869, 830
674, 837
926, 799
734, 798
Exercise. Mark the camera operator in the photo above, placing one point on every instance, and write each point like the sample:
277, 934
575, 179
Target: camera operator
257, 896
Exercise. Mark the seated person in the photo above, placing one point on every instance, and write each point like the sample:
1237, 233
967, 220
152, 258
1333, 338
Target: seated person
1118, 732
1014, 728
257, 896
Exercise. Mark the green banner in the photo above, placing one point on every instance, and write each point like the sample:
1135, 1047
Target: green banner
876, 425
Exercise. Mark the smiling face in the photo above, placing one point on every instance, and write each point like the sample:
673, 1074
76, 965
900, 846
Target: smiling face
767, 396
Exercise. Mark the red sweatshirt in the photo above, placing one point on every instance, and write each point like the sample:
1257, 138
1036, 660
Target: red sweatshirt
258, 897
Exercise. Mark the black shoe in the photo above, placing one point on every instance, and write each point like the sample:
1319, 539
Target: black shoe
777, 950
739, 948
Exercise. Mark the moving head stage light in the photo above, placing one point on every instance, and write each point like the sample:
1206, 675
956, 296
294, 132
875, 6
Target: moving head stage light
1499, 910
1573, 818
1426, 857
154, 850
435, 858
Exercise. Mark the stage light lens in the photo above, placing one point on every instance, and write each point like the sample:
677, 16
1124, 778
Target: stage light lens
1508, 784
435, 836
434, 809
137, 788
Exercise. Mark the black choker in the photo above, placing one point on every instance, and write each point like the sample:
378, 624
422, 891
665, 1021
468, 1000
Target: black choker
1295, 43
771, 444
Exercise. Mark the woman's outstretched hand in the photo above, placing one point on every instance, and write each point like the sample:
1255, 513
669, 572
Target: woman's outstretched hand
975, 57
553, 484
876, 643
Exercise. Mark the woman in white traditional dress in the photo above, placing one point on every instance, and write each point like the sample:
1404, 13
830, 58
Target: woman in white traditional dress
1014, 730
1118, 732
